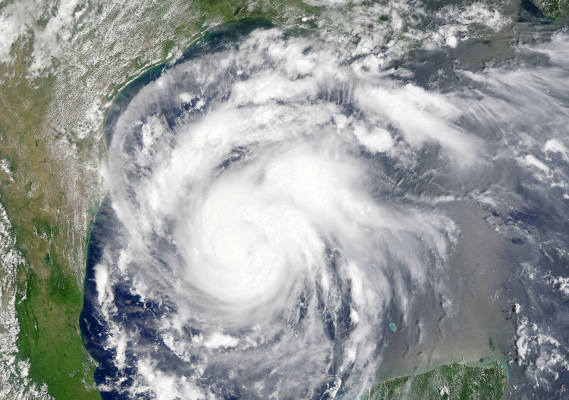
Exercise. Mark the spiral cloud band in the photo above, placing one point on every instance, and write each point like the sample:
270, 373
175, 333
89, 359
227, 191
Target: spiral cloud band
264, 226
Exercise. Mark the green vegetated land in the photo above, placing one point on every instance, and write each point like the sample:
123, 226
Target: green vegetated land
554, 8
456, 381
50, 298
41, 212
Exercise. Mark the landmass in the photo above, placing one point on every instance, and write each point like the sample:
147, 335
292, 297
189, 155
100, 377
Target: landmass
457, 381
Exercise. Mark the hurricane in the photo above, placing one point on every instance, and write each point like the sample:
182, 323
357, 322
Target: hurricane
289, 219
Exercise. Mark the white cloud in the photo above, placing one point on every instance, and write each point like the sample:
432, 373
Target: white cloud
257, 192
248, 218
218, 340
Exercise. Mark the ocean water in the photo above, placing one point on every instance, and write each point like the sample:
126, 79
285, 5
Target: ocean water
277, 198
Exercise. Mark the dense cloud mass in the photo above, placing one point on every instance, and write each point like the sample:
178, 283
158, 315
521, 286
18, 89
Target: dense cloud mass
274, 203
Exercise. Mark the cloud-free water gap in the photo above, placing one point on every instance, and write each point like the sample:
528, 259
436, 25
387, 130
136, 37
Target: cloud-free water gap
272, 208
